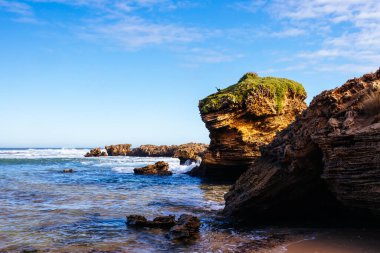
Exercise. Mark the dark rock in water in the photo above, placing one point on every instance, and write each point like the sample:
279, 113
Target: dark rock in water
326, 163
137, 220
187, 227
164, 221
158, 222
244, 117
29, 250
159, 168
68, 171
118, 150
96, 152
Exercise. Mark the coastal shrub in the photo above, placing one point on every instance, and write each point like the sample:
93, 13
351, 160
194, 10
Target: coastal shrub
235, 95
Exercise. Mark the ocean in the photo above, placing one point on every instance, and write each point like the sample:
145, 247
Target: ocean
44, 209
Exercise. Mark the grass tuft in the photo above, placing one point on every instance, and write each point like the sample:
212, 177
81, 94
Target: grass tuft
235, 95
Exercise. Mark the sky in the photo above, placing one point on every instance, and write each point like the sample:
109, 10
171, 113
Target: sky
87, 73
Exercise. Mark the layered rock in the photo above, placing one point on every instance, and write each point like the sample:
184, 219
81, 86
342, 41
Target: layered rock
244, 117
118, 150
96, 152
159, 168
327, 162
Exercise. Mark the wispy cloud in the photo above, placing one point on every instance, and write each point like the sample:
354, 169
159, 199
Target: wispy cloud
24, 13
347, 30
355, 25
134, 32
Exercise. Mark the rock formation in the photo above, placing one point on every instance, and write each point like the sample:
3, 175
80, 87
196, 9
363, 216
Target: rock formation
118, 150
192, 152
242, 118
159, 168
188, 151
96, 152
327, 162
187, 227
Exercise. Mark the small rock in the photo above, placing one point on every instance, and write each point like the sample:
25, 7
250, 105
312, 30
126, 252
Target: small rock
96, 152
159, 168
187, 227
29, 250
164, 221
136, 220
158, 222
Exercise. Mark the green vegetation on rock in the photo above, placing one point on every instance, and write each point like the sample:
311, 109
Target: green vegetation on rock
235, 95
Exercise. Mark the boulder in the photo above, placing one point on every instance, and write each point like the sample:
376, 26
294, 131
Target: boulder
159, 168
96, 152
118, 150
187, 227
242, 118
325, 164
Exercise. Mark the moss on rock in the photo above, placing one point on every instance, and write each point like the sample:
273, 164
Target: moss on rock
235, 95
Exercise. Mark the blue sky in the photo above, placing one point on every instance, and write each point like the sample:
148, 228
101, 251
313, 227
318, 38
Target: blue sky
95, 72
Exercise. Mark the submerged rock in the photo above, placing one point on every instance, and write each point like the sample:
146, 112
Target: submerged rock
118, 150
326, 163
187, 227
96, 152
244, 117
159, 168
158, 222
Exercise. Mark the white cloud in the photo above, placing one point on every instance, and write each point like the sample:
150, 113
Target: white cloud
23, 12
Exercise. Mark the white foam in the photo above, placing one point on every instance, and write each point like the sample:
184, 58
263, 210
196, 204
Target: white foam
120, 164
42, 153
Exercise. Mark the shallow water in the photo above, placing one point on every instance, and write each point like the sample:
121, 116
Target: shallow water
85, 211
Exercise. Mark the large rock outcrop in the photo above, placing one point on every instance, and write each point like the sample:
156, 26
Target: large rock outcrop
242, 118
326, 163
118, 150
184, 152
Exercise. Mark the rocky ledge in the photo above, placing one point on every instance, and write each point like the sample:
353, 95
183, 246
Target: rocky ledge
325, 164
159, 168
118, 150
244, 117
192, 152
189, 151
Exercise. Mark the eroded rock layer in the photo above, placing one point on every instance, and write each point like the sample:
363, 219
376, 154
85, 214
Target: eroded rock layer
326, 162
242, 118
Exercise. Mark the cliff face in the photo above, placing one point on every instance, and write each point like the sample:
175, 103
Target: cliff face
326, 162
242, 118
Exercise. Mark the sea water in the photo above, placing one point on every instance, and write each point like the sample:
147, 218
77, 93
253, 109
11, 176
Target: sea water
44, 209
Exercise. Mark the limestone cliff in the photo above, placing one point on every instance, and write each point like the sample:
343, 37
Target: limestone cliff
242, 118
327, 162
